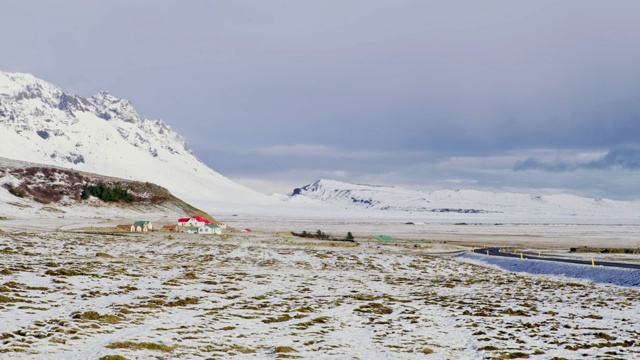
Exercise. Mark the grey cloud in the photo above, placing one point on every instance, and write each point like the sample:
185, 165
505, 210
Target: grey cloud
537, 164
625, 157
454, 78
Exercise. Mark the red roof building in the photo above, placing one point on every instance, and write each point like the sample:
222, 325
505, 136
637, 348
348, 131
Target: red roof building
205, 221
193, 221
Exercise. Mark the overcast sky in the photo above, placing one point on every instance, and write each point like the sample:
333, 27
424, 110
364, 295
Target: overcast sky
527, 96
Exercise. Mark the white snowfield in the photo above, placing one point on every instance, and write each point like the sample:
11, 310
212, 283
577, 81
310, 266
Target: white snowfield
264, 295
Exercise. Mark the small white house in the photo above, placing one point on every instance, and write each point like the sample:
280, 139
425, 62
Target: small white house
210, 229
191, 229
142, 226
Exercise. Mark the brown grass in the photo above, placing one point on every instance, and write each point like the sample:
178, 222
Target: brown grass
140, 346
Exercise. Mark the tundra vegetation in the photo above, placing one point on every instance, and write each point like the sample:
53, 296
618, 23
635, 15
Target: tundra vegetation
79, 295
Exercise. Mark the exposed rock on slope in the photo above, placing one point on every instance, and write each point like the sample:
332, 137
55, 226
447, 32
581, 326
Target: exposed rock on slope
58, 190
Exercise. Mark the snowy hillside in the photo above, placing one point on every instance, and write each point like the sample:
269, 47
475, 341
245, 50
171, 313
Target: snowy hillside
50, 193
396, 199
41, 123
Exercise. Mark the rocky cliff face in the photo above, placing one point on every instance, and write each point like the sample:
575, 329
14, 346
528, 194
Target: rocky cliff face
30, 106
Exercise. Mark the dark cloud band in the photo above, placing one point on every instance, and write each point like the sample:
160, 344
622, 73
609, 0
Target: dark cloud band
626, 157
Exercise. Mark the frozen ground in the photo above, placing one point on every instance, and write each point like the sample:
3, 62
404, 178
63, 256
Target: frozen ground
467, 230
268, 295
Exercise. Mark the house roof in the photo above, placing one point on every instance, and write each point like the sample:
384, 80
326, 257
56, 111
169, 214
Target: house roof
385, 238
168, 226
141, 223
213, 226
201, 219
196, 218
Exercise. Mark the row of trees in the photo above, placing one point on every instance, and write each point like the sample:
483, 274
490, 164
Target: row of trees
106, 193
322, 236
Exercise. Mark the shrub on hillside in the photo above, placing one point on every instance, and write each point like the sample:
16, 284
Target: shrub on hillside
106, 193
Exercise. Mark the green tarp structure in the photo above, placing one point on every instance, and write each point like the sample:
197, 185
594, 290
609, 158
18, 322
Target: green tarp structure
385, 238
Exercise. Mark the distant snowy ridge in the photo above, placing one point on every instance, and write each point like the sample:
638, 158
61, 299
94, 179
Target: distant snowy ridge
398, 199
103, 134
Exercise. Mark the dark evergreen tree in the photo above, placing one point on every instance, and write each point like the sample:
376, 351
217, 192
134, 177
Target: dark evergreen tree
85, 192
106, 193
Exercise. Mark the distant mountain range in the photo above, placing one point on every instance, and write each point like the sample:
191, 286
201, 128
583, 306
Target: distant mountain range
42, 124
103, 134
397, 199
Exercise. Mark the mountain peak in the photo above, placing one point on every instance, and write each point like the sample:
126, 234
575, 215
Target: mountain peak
20, 86
398, 199
16, 80
335, 185
41, 123
111, 107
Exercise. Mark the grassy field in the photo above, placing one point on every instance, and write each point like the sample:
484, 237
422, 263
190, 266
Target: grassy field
72, 295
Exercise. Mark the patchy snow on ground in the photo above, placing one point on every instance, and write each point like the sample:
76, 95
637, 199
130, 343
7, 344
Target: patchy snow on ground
269, 295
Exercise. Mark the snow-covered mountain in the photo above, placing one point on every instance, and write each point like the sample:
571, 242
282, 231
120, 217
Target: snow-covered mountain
103, 134
41, 123
397, 199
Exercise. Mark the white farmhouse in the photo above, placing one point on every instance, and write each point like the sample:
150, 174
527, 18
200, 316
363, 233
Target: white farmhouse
198, 225
193, 221
210, 229
142, 226
190, 229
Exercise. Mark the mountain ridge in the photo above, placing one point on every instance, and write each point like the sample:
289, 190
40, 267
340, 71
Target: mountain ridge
398, 199
104, 134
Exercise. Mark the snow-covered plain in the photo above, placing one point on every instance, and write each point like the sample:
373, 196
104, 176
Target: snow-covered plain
73, 294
